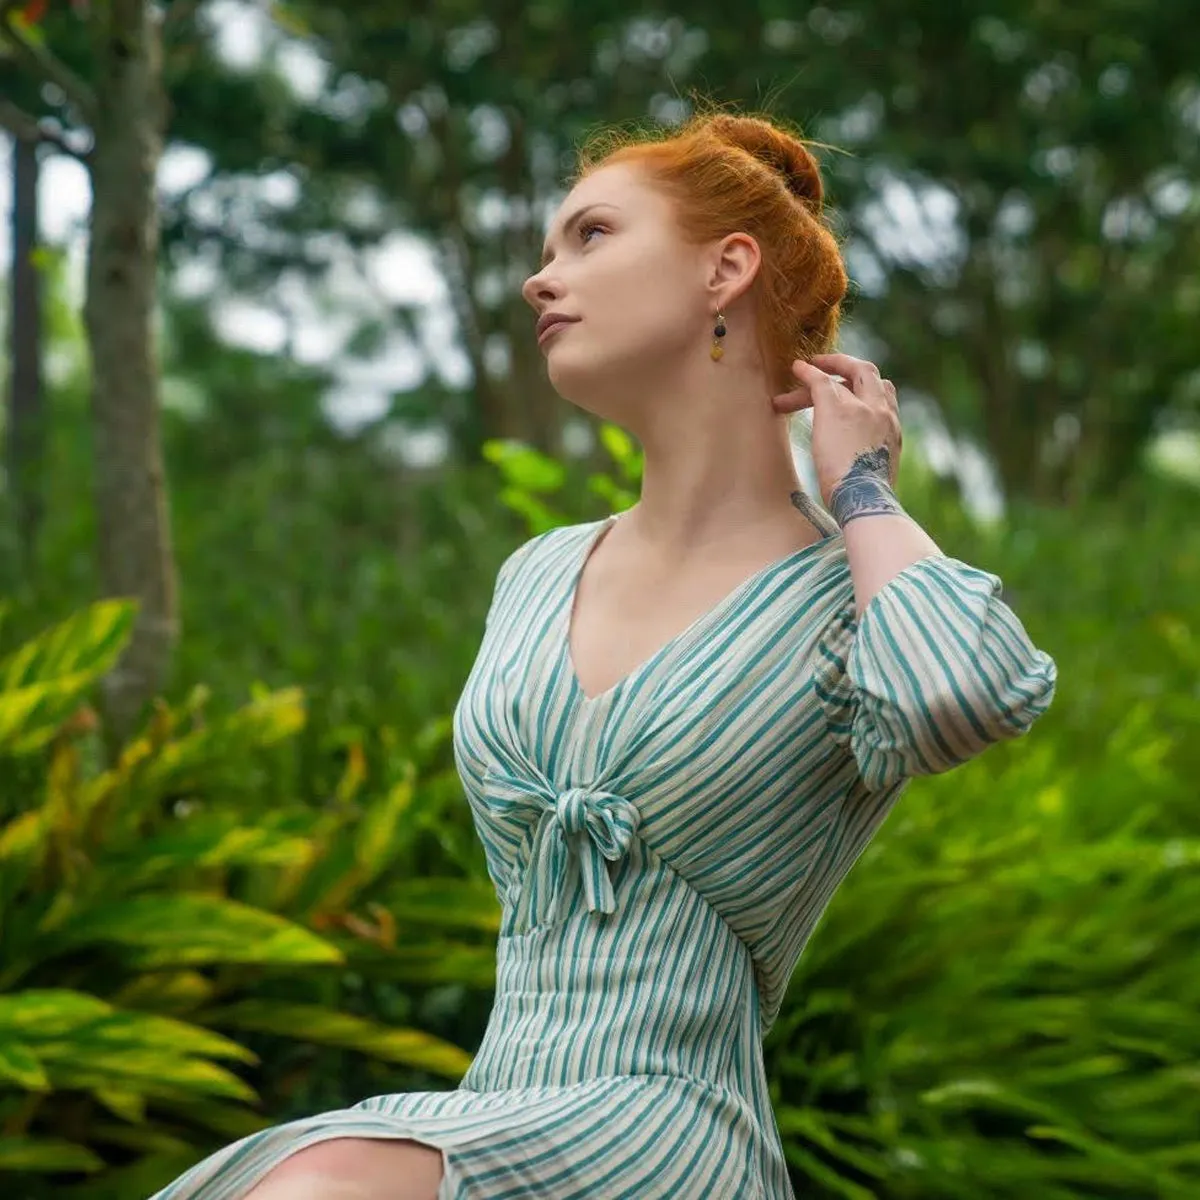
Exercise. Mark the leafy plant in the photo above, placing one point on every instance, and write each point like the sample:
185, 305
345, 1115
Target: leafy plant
127, 955
528, 475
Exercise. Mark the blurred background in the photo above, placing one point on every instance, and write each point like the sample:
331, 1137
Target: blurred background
274, 415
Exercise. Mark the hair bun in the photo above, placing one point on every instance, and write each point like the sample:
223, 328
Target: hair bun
779, 150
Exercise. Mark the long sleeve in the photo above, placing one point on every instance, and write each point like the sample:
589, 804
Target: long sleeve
935, 670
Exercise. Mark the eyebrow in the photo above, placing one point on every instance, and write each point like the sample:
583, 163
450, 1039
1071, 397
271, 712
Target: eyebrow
573, 219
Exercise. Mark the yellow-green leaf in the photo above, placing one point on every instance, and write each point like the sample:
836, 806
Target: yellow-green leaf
150, 1073
266, 719
75, 1024
218, 841
174, 991
131, 1106
49, 1012
22, 836
86, 643
46, 1155
30, 716
20, 1065
445, 904
310, 1023
617, 442
191, 929
149, 1031
378, 841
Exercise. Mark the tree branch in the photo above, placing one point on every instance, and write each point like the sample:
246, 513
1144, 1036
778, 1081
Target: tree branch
42, 62
22, 125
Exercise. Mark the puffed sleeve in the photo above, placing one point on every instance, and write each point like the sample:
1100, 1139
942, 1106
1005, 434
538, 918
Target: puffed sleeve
935, 669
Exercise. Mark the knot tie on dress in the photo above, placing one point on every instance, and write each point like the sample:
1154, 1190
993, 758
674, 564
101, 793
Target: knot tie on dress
586, 825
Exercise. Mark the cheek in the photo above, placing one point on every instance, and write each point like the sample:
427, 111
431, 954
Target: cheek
650, 306
639, 311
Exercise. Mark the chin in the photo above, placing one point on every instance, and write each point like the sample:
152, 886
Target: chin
603, 386
579, 383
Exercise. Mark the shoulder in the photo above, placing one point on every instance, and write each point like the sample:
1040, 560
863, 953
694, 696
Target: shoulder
533, 572
547, 549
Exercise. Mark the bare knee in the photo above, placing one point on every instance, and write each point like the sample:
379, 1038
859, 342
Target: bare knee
351, 1168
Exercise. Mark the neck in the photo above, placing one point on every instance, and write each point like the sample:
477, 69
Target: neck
718, 466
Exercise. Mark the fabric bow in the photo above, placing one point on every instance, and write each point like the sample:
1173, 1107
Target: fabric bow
584, 824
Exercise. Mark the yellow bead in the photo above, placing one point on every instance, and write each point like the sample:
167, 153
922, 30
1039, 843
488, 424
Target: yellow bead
716, 352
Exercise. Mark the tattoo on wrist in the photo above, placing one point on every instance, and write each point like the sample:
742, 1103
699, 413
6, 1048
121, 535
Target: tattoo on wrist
865, 490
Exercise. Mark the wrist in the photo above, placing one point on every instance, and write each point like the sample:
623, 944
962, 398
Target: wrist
862, 494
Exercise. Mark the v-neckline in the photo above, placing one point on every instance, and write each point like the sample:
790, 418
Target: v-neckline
711, 614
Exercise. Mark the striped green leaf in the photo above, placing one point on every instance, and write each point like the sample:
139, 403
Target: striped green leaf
44, 680
325, 1027
149, 1073
440, 903
46, 1156
188, 929
268, 718
21, 1066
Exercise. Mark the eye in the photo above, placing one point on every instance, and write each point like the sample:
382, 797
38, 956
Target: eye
586, 227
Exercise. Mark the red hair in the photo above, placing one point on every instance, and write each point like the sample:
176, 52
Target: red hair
727, 174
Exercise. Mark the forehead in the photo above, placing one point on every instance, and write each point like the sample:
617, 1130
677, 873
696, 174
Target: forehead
604, 183
619, 184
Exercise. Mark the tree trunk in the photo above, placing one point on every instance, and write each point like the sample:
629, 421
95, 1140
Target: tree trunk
26, 448
135, 554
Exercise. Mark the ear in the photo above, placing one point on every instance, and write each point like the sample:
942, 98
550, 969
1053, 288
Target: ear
733, 266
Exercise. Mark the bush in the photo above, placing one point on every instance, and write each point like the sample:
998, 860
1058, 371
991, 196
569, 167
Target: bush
150, 910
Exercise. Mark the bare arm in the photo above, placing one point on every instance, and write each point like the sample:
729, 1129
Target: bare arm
881, 538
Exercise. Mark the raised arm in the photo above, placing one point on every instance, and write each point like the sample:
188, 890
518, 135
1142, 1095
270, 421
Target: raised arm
934, 670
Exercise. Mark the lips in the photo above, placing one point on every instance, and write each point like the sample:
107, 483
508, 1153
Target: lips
550, 323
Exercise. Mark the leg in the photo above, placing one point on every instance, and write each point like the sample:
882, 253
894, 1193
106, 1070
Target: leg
351, 1168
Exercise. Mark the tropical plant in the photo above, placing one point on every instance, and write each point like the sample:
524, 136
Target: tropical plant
147, 913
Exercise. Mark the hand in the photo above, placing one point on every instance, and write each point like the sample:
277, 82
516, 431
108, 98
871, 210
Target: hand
856, 426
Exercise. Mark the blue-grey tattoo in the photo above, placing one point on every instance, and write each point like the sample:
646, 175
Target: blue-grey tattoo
865, 490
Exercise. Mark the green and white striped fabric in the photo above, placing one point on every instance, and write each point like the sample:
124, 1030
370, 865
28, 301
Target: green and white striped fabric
662, 853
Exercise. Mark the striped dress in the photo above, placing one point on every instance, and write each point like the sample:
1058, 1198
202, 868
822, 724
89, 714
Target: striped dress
662, 852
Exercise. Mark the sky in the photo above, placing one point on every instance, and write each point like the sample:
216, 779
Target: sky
403, 270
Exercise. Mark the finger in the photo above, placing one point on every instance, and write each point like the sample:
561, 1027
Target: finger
844, 364
793, 401
858, 371
818, 382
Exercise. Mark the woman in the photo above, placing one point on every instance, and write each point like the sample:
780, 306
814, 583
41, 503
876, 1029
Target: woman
683, 725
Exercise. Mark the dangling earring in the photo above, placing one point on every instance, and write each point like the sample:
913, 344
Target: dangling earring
719, 332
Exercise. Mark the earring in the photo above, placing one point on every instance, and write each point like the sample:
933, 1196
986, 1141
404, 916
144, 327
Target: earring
719, 332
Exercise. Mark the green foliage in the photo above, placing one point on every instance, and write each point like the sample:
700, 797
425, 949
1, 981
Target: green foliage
529, 476
147, 914
1011, 181
44, 681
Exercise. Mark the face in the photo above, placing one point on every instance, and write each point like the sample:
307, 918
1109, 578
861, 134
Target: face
615, 262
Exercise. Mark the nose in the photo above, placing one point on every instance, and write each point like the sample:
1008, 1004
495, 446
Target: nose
539, 290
